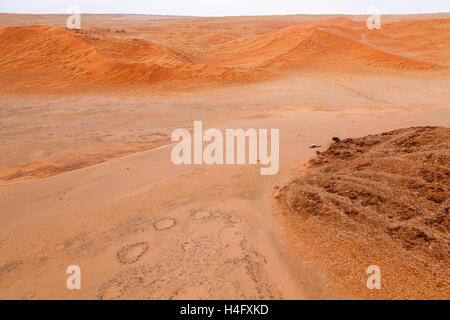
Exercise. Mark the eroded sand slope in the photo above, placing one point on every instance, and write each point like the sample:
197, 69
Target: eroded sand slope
382, 198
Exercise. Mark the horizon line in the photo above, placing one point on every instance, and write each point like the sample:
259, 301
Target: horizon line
231, 16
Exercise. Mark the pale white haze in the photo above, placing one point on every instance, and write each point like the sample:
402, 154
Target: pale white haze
225, 7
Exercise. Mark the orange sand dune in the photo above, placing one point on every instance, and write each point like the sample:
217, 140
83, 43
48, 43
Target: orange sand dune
222, 54
330, 50
313, 42
136, 50
58, 51
425, 40
105, 59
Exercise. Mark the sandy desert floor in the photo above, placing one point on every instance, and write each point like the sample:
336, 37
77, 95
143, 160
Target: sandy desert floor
86, 176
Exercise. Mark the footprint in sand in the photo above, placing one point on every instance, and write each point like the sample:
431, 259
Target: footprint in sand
132, 252
165, 223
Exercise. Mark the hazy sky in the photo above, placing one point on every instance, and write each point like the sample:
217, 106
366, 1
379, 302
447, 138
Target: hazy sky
224, 7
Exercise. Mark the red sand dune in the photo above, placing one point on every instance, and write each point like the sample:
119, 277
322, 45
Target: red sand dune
331, 50
99, 58
220, 57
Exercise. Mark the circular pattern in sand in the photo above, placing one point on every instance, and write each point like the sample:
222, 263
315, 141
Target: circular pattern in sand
132, 252
200, 215
139, 230
165, 223
217, 214
234, 219
111, 290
